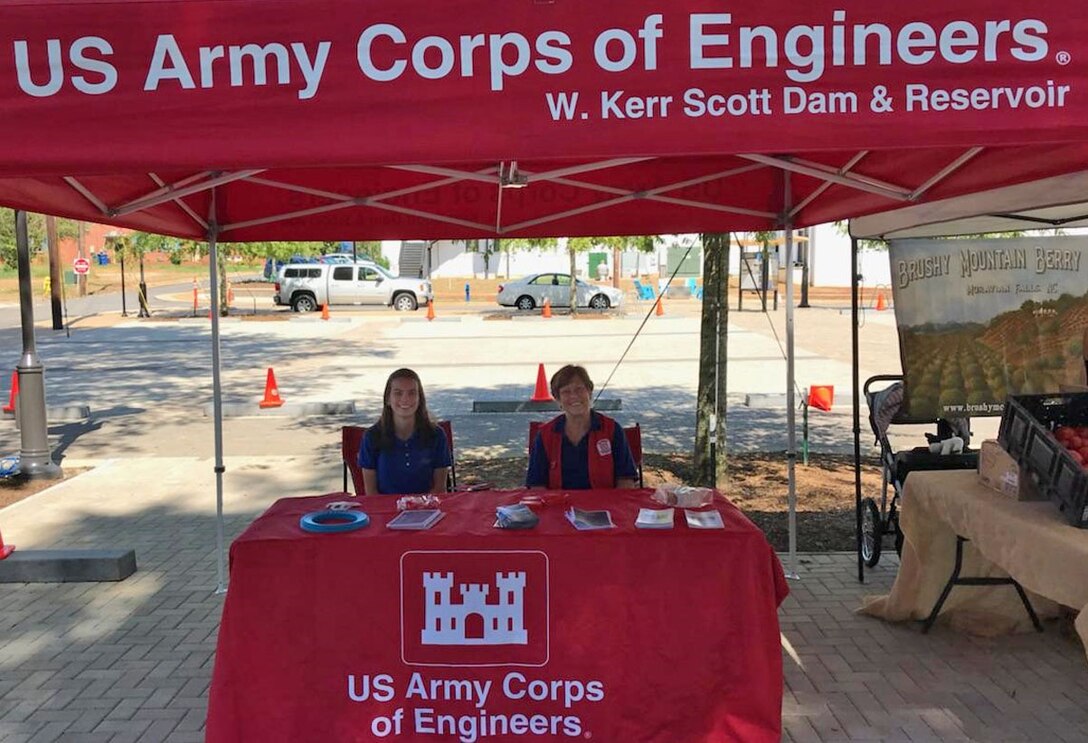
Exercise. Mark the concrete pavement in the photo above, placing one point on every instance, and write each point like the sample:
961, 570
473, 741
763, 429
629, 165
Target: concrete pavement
147, 382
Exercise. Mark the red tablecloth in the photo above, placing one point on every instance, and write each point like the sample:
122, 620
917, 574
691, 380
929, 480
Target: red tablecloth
619, 635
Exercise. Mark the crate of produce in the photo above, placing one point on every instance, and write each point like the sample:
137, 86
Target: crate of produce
1048, 435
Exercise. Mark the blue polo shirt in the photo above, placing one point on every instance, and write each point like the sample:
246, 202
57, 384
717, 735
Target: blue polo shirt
407, 466
576, 458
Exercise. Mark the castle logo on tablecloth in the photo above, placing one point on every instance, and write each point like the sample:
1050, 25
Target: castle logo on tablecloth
472, 620
475, 608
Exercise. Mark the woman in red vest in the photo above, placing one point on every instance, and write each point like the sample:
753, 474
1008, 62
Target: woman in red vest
581, 449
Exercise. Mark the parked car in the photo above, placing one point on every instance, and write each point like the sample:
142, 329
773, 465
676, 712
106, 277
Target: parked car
272, 266
308, 286
531, 291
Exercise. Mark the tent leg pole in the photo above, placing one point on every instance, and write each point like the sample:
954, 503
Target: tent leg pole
35, 458
857, 402
791, 413
217, 399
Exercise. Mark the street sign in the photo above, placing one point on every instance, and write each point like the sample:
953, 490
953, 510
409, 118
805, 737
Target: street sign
81, 266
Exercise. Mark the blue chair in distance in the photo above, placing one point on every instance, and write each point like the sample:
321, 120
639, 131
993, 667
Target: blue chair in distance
643, 291
695, 291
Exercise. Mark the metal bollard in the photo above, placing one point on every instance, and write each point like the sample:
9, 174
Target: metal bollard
468, 291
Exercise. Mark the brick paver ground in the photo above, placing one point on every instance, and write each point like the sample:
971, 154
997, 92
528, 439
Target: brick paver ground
855, 678
133, 660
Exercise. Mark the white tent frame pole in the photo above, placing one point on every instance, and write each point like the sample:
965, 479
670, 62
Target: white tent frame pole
791, 413
217, 397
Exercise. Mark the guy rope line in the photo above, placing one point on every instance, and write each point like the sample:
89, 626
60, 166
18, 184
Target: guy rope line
661, 292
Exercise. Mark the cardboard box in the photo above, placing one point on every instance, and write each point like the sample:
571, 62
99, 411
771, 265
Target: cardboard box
997, 470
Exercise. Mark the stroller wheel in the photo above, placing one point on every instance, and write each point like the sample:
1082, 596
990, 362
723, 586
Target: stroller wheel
872, 532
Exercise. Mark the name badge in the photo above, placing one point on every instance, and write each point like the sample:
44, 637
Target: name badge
604, 447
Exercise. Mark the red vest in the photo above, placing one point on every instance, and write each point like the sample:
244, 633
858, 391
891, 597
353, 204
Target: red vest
602, 471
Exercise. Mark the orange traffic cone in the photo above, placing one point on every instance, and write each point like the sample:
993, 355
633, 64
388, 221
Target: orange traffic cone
547, 308
325, 311
10, 407
541, 393
272, 397
430, 310
821, 396
5, 549
658, 309
880, 306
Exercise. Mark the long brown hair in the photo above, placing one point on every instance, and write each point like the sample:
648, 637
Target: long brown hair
423, 423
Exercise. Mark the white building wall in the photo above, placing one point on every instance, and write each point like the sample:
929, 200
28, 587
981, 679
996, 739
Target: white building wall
829, 260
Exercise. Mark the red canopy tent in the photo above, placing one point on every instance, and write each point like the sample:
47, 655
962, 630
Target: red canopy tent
333, 120
244, 120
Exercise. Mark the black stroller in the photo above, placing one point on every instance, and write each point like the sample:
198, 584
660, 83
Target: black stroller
885, 410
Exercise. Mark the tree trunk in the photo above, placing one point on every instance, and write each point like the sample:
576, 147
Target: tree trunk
224, 306
573, 285
710, 467
617, 260
55, 277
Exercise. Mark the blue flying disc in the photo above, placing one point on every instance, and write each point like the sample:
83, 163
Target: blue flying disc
330, 522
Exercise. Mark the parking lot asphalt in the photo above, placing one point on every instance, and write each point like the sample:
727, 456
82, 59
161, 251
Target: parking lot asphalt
148, 383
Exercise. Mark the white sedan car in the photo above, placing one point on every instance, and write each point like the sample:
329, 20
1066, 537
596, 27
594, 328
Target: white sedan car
531, 291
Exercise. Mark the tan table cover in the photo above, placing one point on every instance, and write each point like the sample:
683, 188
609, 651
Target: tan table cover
1028, 541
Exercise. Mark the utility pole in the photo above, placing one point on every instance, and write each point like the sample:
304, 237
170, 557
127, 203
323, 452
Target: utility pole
82, 253
804, 248
144, 310
55, 286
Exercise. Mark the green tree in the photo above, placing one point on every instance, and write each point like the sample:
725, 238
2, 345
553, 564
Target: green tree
35, 223
529, 243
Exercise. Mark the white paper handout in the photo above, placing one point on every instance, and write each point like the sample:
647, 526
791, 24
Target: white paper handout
704, 519
655, 518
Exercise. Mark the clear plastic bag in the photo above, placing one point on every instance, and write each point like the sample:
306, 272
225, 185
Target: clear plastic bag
417, 502
683, 496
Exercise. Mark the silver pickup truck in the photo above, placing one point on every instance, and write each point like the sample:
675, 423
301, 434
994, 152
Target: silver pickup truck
307, 286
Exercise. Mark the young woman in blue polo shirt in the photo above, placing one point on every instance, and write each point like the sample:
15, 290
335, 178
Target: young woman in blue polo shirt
404, 452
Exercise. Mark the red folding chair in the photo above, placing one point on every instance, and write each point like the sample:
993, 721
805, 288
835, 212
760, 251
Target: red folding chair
634, 443
351, 438
451, 478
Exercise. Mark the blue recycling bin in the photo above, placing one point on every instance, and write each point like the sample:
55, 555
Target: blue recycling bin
103, 258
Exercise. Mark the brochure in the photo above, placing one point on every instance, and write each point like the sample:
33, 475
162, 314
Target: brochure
586, 520
655, 518
704, 519
423, 519
517, 516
